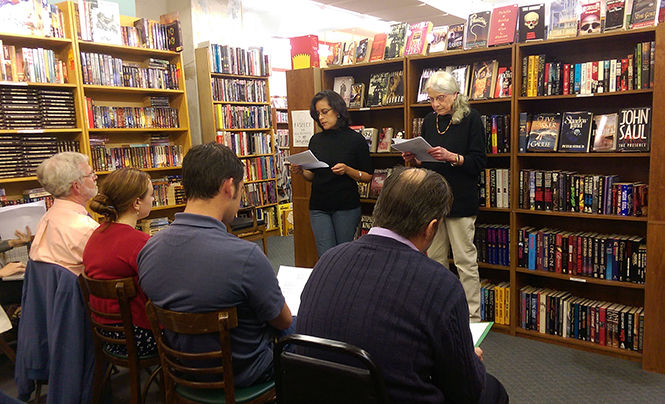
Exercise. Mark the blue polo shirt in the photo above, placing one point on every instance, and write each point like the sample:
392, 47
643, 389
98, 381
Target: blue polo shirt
195, 265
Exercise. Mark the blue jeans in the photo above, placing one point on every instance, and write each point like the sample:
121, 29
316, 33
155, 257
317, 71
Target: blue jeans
333, 228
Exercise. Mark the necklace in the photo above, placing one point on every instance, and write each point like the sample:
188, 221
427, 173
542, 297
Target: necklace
447, 127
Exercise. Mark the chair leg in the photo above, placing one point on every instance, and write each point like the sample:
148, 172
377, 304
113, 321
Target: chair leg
265, 247
153, 376
38, 393
7, 350
99, 378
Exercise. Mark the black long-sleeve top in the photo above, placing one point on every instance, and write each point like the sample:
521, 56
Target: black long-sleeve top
331, 192
467, 139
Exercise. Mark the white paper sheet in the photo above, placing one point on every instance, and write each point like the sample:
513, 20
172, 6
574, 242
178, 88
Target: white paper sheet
303, 127
306, 160
479, 331
5, 324
16, 217
292, 281
417, 146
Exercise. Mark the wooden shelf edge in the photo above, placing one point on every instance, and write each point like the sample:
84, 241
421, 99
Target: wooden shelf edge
578, 344
244, 129
586, 155
20, 131
33, 38
136, 130
124, 89
36, 84
239, 76
17, 179
124, 49
376, 108
573, 96
580, 278
460, 52
374, 63
583, 215
263, 180
154, 169
502, 328
486, 265
167, 207
601, 36
241, 103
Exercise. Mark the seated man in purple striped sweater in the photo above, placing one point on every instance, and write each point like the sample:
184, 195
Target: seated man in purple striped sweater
383, 294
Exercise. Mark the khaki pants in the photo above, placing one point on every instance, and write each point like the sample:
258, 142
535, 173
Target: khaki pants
458, 232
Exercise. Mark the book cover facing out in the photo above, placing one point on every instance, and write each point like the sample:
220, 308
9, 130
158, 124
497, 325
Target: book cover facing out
502, 26
477, 29
575, 132
532, 22
455, 37
634, 129
605, 132
304, 51
544, 132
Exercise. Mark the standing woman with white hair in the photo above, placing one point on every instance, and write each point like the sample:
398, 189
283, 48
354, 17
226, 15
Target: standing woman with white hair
456, 134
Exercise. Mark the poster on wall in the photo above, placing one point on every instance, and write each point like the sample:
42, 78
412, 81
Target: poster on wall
303, 128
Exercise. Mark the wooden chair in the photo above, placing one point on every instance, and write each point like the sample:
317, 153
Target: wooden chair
183, 371
246, 226
302, 379
122, 291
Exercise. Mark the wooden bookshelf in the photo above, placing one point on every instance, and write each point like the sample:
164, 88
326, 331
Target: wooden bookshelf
205, 75
631, 166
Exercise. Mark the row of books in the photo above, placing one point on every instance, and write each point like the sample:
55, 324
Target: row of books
379, 141
282, 117
245, 143
634, 72
37, 65
366, 223
259, 194
262, 168
242, 117
153, 225
385, 88
497, 133
168, 191
484, 79
603, 256
373, 188
569, 191
106, 70
283, 177
235, 60
27, 196
627, 131
101, 116
495, 302
109, 156
494, 188
493, 243
268, 216
37, 18
36, 108
561, 313
99, 21
239, 90
20, 154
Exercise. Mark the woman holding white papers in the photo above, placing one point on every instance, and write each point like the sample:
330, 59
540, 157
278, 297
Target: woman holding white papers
456, 134
334, 205
21, 239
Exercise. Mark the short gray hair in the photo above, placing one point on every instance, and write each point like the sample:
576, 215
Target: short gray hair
59, 172
444, 82
410, 199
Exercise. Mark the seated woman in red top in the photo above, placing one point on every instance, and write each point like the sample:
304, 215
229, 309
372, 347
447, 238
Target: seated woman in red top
124, 197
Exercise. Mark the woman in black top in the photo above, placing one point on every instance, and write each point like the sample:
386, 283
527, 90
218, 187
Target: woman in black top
456, 134
334, 205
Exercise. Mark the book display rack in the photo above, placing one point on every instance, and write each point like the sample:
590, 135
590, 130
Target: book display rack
595, 277
234, 100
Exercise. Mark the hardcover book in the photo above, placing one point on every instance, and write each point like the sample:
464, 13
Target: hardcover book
455, 38
563, 19
378, 83
643, 13
575, 132
504, 83
385, 140
349, 54
605, 132
362, 51
614, 14
590, 18
634, 129
416, 44
334, 54
105, 22
378, 47
483, 79
396, 40
394, 88
532, 22
502, 25
422, 91
304, 51
378, 178
462, 75
371, 135
342, 86
477, 29
437, 41
544, 132
174, 31
357, 99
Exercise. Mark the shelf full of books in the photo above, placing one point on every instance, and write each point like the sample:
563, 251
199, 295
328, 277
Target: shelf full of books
282, 147
566, 232
234, 100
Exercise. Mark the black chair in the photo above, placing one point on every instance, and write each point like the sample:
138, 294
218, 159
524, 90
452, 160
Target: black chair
308, 379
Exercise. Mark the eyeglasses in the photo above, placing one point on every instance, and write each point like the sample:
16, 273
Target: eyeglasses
92, 175
439, 98
324, 111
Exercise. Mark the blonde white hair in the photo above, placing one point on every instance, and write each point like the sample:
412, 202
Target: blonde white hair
59, 172
444, 83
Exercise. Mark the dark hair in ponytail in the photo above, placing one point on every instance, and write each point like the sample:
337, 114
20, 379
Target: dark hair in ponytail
118, 191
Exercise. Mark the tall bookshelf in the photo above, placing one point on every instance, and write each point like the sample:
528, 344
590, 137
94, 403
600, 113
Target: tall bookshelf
253, 143
125, 139
65, 50
280, 119
630, 166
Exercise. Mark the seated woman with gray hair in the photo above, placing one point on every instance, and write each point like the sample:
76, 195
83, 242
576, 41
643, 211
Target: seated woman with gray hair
457, 136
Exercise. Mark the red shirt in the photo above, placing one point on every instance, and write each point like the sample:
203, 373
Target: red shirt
111, 254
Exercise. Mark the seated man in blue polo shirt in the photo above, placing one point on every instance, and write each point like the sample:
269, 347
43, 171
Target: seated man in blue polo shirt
196, 265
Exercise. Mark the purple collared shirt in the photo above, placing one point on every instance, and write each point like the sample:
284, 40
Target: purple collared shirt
381, 231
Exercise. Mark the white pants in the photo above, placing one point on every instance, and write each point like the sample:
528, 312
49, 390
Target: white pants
458, 232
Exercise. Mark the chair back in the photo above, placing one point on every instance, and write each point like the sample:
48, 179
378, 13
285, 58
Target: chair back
308, 379
205, 370
121, 291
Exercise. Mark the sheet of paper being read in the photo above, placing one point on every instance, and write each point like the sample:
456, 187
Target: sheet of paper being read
306, 160
479, 331
292, 281
417, 146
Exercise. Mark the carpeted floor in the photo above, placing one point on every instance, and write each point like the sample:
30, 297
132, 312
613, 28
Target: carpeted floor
531, 371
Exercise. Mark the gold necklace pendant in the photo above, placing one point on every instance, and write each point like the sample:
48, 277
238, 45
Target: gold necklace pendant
447, 127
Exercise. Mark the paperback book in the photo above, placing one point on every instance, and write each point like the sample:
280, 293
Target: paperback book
437, 42
394, 88
385, 140
455, 38
416, 44
504, 83
575, 132
590, 18
396, 40
605, 132
378, 47
477, 29
563, 19
363, 49
357, 99
614, 14
483, 79
342, 86
634, 129
371, 135
377, 89
643, 13
544, 132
